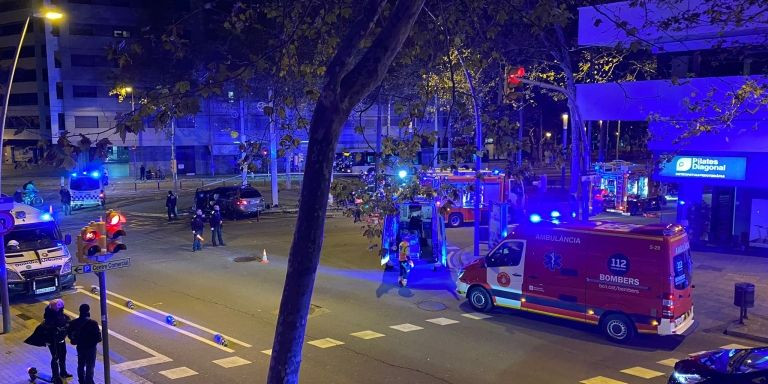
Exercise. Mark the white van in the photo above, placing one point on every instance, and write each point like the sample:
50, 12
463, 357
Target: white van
37, 258
86, 189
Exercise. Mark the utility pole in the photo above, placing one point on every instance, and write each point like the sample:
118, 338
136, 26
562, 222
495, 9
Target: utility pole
565, 147
436, 145
521, 122
601, 142
618, 137
174, 166
244, 167
273, 150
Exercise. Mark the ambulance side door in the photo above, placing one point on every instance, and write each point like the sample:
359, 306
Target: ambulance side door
504, 266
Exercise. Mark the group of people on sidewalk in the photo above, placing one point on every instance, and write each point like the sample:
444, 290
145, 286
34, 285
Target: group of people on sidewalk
82, 332
198, 225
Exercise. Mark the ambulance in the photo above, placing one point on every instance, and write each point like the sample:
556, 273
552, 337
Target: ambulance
624, 278
87, 189
37, 258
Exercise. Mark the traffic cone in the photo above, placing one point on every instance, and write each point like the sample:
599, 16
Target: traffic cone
264, 259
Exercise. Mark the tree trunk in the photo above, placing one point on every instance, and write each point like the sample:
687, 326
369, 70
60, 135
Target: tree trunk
347, 83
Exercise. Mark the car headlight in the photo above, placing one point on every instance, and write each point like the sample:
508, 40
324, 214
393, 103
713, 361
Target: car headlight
66, 268
13, 275
687, 378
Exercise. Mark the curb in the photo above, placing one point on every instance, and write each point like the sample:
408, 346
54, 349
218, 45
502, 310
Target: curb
749, 336
744, 334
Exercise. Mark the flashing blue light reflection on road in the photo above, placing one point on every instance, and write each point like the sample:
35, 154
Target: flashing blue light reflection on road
46, 217
535, 218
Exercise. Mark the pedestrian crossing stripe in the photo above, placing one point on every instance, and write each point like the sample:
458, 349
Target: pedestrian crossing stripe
476, 316
178, 373
267, 352
366, 335
642, 372
734, 346
230, 362
442, 321
668, 362
406, 327
601, 380
325, 343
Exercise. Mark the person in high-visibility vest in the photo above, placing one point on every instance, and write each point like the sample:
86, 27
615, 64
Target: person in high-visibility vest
404, 258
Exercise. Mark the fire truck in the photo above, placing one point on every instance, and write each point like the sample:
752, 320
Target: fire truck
459, 197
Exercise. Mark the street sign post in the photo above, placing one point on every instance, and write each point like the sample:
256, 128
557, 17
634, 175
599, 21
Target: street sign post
6, 223
98, 243
101, 267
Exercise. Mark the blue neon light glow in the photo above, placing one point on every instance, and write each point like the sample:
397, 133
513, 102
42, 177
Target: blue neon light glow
554, 214
573, 214
74, 174
535, 218
496, 171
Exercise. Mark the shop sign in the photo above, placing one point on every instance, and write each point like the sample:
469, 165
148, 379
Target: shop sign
706, 167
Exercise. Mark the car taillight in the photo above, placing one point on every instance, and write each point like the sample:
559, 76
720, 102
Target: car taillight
241, 202
668, 306
101, 195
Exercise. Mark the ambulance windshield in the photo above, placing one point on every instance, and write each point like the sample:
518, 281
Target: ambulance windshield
681, 265
84, 184
32, 237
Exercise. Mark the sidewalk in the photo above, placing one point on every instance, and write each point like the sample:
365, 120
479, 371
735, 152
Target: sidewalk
17, 356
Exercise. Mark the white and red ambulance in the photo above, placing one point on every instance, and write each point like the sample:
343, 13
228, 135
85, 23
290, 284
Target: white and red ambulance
624, 278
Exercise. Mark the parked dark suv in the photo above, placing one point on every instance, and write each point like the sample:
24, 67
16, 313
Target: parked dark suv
233, 201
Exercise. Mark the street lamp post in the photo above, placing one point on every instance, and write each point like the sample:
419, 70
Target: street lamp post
6, 306
618, 136
133, 108
565, 146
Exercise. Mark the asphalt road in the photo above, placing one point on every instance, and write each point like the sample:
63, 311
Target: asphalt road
363, 327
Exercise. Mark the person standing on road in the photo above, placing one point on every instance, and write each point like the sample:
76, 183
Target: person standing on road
198, 224
404, 258
170, 204
142, 172
85, 334
66, 200
56, 324
216, 224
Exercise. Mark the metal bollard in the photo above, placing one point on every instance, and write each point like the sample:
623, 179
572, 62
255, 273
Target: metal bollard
134, 187
158, 185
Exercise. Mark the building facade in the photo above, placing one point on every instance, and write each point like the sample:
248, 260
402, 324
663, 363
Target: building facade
63, 82
718, 175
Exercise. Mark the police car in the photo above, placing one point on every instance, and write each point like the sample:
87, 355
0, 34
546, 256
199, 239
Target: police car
37, 258
86, 189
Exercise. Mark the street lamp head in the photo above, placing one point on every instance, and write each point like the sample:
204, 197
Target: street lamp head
53, 15
548, 135
128, 89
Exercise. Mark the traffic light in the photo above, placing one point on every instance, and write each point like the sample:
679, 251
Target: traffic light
512, 78
114, 227
89, 242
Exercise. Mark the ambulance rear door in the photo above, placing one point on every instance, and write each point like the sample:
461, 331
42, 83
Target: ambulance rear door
504, 266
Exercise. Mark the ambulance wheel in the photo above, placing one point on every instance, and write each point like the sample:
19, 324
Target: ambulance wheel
480, 299
455, 220
618, 328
